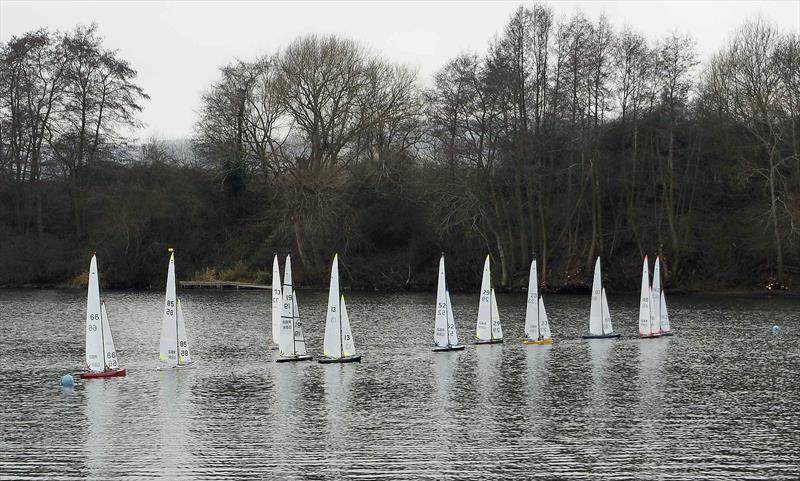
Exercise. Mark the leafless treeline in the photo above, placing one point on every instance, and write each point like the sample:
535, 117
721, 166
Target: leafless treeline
566, 140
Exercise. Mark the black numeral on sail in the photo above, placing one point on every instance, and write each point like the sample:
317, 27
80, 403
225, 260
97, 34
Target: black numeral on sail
94, 317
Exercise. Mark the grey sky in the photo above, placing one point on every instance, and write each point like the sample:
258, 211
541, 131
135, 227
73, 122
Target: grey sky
178, 46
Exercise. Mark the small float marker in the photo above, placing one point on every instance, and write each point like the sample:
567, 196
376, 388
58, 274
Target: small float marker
776, 329
67, 380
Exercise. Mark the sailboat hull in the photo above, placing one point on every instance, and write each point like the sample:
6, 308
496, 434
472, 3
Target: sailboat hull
94, 375
613, 335
293, 358
340, 360
650, 336
538, 341
190, 365
488, 341
459, 347
668, 333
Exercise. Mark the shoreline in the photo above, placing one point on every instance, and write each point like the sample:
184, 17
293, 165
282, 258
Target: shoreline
246, 286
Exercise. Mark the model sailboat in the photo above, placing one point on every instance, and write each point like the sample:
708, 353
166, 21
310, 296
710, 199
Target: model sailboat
599, 315
488, 330
537, 329
174, 345
291, 341
339, 345
101, 356
660, 301
648, 320
445, 337
276, 303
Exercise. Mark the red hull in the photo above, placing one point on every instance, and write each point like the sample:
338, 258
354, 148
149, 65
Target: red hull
92, 375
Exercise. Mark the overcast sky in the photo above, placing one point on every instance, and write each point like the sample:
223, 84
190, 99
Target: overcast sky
178, 46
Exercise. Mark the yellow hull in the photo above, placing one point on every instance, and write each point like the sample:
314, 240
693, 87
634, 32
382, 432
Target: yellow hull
543, 341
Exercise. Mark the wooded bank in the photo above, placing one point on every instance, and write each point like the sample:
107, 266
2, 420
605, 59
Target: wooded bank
567, 139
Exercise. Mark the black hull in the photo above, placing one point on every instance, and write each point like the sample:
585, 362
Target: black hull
668, 333
460, 347
294, 358
341, 360
613, 335
491, 341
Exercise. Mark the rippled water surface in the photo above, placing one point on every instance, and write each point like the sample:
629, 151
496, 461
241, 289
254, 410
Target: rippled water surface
719, 400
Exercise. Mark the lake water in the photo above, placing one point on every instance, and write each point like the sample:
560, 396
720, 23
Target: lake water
719, 400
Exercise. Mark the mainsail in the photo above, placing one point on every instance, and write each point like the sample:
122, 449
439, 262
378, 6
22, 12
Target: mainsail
95, 352
532, 321
483, 329
596, 310
168, 346
645, 315
276, 300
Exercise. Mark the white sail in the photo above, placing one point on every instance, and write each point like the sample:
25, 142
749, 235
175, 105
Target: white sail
348, 345
109, 351
168, 347
452, 336
95, 353
596, 310
664, 315
607, 327
544, 325
644, 302
184, 354
299, 337
440, 337
276, 300
286, 343
483, 330
497, 329
532, 321
655, 300
332, 346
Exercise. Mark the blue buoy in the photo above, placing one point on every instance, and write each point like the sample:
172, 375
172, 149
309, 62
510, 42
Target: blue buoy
67, 380
776, 329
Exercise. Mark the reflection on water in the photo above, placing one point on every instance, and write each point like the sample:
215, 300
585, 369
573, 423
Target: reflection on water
719, 400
